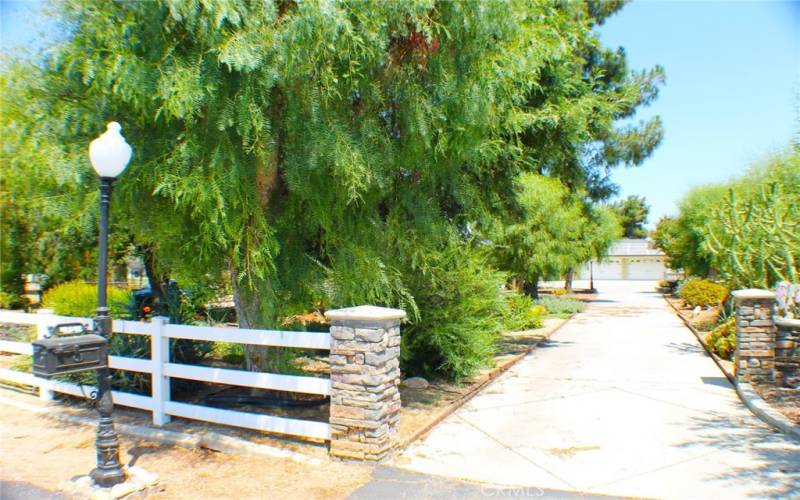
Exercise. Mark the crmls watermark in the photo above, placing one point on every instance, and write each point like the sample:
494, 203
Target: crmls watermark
517, 492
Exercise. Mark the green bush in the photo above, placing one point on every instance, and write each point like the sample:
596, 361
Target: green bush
697, 292
461, 310
722, 339
560, 306
76, 298
10, 300
522, 314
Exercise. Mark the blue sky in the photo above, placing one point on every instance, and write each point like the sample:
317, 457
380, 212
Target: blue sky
732, 92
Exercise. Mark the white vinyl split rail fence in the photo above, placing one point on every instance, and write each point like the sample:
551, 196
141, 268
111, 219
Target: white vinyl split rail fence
161, 370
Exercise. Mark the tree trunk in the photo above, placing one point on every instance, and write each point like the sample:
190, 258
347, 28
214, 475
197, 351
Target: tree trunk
255, 308
531, 288
119, 275
158, 280
568, 280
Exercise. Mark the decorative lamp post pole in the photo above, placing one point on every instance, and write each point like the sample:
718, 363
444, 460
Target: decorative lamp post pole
109, 155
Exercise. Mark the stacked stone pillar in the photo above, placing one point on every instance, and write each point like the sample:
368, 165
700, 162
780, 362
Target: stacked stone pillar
755, 336
365, 374
787, 352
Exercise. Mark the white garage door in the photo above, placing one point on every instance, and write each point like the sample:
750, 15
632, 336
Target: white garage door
609, 270
645, 270
627, 268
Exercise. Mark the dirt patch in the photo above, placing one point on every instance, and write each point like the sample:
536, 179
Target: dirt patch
783, 399
46, 453
703, 320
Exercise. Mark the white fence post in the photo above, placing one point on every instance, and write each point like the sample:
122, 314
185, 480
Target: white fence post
45, 394
159, 354
44, 323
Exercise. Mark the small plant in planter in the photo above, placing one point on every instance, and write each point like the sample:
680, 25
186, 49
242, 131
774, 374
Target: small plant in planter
722, 339
788, 297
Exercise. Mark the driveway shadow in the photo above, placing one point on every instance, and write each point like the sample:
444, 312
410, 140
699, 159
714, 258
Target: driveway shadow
772, 458
686, 348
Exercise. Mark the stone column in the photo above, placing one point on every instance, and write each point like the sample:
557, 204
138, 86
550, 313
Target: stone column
365, 373
755, 335
787, 352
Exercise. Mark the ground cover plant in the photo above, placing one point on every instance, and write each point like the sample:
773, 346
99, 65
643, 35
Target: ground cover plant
523, 314
79, 299
560, 306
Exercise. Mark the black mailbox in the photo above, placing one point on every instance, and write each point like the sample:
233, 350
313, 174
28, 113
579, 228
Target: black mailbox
59, 354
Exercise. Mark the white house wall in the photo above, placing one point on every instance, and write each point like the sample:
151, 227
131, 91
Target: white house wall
627, 268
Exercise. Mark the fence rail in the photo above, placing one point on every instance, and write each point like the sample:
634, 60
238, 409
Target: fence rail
162, 369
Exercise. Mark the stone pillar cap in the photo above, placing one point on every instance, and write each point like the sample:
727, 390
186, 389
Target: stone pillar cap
365, 313
753, 293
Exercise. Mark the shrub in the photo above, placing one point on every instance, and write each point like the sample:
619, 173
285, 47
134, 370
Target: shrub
560, 306
76, 298
10, 300
722, 339
523, 314
697, 292
461, 310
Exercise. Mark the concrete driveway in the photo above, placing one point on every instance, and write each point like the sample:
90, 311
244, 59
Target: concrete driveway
622, 401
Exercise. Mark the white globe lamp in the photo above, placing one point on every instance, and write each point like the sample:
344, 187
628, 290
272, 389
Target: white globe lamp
109, 153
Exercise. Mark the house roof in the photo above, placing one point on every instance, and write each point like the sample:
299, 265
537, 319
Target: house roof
629, 247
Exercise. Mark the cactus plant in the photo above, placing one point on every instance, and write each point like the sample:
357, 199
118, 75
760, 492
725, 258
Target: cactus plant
756, 243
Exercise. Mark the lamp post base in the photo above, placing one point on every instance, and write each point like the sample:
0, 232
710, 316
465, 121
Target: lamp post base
106, 478
109, 471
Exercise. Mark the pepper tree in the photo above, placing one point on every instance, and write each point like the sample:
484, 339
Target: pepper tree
340, 152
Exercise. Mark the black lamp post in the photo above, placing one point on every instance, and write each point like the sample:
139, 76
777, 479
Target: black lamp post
109, 155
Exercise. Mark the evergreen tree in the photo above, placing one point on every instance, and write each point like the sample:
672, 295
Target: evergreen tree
331, 152
632, 213
551, 232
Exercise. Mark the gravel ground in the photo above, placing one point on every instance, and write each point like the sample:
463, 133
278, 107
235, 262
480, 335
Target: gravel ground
41, 454
783, 399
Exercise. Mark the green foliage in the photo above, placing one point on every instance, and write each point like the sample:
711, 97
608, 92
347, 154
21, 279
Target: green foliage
754, 237
228, 352
550, 231
522, 314
560, 306
297, 144
683, 238
461, 315
632, 213
747, 230
75, 298
700, 292
10, 300
722, 339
